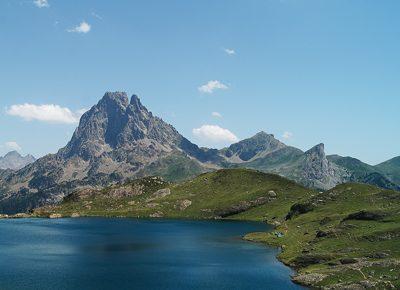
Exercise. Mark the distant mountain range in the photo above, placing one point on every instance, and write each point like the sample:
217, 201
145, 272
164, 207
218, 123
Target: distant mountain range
13, 160
119, 139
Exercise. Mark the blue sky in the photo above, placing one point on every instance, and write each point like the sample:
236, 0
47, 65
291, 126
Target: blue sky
306, 71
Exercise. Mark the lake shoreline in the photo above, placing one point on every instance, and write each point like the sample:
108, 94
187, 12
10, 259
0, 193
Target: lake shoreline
245, 237
218, 226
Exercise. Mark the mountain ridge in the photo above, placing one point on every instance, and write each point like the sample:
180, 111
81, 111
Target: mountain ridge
119, 139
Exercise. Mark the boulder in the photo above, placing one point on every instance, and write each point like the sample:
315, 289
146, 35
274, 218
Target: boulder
345, 261
184, 204
162, 193
152, 205
157, 214
55, 216
309, 279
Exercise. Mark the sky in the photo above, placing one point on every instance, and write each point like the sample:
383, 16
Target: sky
307, 71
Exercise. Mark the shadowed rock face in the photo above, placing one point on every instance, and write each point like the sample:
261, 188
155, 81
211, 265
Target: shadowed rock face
13, 160
320, 171
115, 123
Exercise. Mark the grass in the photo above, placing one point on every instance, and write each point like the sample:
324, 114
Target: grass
366, 241
346, 236
210, 194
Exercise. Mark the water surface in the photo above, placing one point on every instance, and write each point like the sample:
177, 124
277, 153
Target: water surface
96, 253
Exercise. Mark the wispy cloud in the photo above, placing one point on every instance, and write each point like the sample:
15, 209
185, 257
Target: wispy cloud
41, 3
287, 135
45, 113
230, 51
95, 15
216, 115
214, 135
12, 145
211, 86
83, 27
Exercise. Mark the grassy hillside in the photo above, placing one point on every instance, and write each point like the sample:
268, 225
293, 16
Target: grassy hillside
221, 193
349, 235
175, 167
358, 168
365, 173
391, 169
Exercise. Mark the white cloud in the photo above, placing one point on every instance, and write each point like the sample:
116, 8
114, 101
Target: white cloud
12, 145
46, 113
41, 3
214, 135
216, 115
287, 135
83, 27
229, 51
211, 86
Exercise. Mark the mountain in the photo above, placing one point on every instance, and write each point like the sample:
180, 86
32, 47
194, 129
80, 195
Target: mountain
310, 168
116, 139
119, 139
365, 173
391, 169
13, 160
252, 148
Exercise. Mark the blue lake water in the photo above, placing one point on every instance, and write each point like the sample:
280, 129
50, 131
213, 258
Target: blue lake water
96, 253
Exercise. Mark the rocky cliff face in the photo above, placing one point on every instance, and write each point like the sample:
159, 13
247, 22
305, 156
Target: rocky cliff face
116, 123
319, 172
13, 160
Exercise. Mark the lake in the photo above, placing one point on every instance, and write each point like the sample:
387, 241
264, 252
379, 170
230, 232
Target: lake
100, 253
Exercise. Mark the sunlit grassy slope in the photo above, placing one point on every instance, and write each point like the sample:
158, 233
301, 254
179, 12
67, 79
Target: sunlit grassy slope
348, 236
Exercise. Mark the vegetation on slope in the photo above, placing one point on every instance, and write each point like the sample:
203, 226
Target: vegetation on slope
365, 173
391, 169
174, 167
217, 194
348, 236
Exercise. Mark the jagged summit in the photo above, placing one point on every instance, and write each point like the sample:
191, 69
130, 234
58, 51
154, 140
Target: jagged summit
115, 122
318, 150
135, 101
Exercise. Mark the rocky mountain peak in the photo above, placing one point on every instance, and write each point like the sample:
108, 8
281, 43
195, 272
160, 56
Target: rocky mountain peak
115, 123
115, 98
135, 101
11, 154
263, 134
261, 143
13, 160
319, 171
318, 150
